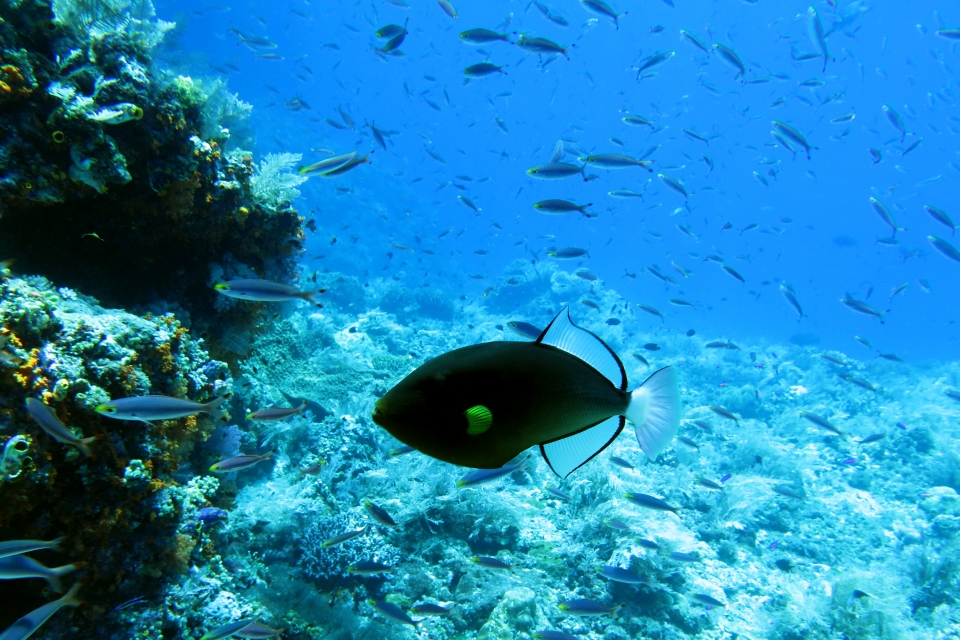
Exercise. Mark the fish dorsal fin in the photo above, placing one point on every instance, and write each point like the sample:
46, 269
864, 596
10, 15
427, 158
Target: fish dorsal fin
562, 334
557, 152
569, 453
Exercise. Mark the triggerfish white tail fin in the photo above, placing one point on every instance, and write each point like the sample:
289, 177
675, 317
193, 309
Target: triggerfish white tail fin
655, 411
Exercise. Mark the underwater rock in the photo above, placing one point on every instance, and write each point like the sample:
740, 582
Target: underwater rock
517, 612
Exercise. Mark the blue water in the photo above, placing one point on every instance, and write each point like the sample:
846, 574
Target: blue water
881, 55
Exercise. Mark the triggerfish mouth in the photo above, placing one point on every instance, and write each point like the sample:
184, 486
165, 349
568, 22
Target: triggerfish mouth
480, 406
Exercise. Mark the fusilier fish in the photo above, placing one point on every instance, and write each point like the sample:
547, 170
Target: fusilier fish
616, 574
368, 568
257, 631
482, 36
379, 514
941, 216
673, 184
791, 297
894, 118
861, 307
649, 502
724, 413
945, 248
349, 165
561, 207
555, 171
567, 253
329, 164
786, 131
692, 39
541, 46
18, 567
430, 609
147, 408
483, 476
730, 56
49, 422
482, 69
817, 35
490, 563
341, 538
585, 607
17, 547
637, 121
390, 610
703, 598
480, 406
239, 463
227, 630
274, 414
263, 291
448, 8
821, 422
601, 8
885, 215
615, 161
28, 624
524, 329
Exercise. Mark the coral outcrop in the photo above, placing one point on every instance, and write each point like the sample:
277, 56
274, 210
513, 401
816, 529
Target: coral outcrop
129, 510
124, 180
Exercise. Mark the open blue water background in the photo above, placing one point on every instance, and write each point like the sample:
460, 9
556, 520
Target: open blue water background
882, 54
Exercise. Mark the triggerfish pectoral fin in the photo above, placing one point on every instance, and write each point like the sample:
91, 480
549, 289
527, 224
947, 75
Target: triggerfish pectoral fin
569, 453
655, 411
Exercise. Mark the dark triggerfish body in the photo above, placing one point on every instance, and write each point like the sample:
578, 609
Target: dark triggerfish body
482, 405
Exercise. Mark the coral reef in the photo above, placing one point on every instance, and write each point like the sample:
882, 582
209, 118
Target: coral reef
129, 171
129, 510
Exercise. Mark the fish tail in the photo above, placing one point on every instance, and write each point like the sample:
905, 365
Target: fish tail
655, 410
308, 296
55, 574
71, 599
82, 445
213, 407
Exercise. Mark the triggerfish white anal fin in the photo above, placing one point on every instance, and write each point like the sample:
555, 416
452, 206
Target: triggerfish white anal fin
569, 453
655, 411
566, 336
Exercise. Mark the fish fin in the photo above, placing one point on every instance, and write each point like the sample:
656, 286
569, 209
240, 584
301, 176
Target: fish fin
569, 453
82, 445
53, 579
71, 599
557, 152
562, 334
213, 406
655, 411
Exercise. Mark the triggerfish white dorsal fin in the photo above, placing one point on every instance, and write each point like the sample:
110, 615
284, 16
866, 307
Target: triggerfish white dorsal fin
655, 411
569, 453
562, 334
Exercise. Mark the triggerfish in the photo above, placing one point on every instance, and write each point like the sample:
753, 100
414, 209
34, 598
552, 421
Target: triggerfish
481, 405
